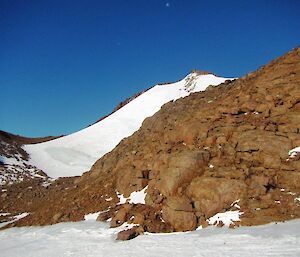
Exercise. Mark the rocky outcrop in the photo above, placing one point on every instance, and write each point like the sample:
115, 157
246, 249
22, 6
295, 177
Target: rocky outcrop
9, 138
13, 166
198, 156
212, 195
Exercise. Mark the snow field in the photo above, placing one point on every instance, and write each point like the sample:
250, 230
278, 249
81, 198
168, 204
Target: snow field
91, 238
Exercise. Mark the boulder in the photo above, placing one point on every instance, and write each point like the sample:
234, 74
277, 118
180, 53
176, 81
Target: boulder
180, 220
178, 203
137, 218
182, 168
120, 216
263, 141
288, 179
57, 217
127, 234
103, 216
129, 179
212, 195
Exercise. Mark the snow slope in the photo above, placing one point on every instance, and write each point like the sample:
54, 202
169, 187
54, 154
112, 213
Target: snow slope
76, 153
91, 238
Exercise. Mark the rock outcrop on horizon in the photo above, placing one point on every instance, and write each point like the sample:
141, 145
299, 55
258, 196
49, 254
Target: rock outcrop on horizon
222, 150
13, 159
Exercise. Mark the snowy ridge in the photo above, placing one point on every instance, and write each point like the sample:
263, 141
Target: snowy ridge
76, 153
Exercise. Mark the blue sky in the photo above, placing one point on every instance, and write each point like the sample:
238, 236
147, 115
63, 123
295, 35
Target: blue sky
64, 64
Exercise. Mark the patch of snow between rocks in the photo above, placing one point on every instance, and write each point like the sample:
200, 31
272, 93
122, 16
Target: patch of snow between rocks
14, 218
294, 152
136, 197
227, 218
91, 216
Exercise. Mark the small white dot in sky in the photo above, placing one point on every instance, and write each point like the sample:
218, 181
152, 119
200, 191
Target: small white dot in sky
167, 4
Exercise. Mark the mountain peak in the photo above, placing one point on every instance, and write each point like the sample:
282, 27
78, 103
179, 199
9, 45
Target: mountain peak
200, 72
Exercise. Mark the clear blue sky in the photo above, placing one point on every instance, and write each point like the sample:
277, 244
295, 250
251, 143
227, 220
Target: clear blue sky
64, 64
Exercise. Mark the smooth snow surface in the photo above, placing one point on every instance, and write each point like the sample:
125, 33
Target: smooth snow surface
91, 238
76, 153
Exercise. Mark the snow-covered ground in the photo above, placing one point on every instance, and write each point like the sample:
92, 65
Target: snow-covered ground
91, 238
76, 153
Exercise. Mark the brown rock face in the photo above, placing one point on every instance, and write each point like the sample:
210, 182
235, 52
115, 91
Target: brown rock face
178, 211
182, 167
179, 220
197, 156
127, 234
212, 195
